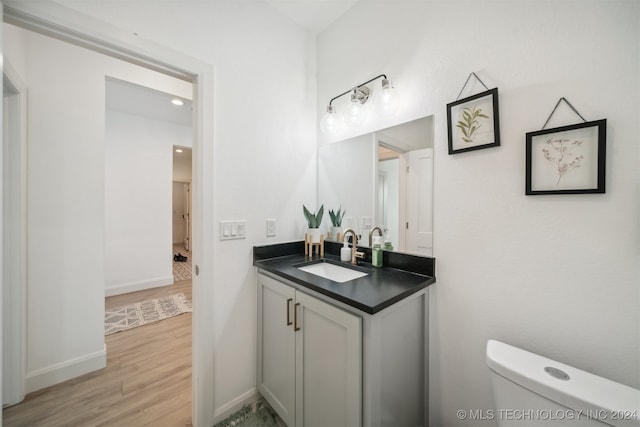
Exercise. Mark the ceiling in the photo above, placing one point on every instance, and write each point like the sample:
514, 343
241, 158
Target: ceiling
143, 101
314, 15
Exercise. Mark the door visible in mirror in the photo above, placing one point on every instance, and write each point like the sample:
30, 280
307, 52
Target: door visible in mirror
384, 179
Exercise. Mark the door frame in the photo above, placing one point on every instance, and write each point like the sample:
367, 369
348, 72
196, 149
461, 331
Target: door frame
187, 202
57, 21
14, 236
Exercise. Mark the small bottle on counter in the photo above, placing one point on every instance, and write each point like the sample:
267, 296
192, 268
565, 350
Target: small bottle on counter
345, 251
376, 252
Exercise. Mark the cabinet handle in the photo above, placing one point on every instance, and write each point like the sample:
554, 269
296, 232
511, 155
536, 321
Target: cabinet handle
296, 327
289, 322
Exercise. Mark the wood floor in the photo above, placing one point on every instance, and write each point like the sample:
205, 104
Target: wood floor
147, 380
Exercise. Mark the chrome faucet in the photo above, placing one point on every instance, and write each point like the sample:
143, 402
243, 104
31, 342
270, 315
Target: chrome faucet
371, 234
354, 247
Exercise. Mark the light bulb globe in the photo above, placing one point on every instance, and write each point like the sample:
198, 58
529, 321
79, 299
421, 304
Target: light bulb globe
356, 113
330, 123
388, 100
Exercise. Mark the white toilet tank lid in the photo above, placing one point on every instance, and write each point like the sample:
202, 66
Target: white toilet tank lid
582, 391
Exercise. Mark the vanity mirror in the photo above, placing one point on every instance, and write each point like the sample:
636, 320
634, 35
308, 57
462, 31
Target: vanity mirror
385, 179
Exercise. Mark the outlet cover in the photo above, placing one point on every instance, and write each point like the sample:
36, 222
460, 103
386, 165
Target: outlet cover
271, 227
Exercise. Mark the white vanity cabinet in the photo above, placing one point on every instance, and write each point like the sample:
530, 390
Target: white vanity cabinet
343, 366
309, 357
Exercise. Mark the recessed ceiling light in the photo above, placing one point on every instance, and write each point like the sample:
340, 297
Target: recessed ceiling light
178, 102
178, 150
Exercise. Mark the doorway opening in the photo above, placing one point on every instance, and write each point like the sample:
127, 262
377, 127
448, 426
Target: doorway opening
404, 185
143, 279
57, 22
147, 148
181, 212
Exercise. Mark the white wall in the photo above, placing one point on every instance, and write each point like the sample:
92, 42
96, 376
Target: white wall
557, 275
138, 200
264, 133
65, 218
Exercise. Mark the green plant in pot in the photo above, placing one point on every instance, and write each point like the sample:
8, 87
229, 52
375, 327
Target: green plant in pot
313, 221
336, 222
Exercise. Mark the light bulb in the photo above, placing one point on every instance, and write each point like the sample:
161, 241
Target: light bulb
330, 123
388, 100
356, 112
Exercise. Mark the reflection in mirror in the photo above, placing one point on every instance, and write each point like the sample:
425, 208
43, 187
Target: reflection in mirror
383, 179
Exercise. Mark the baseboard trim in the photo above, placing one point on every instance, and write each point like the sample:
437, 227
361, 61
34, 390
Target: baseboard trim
234, 405
66, 370
125, 288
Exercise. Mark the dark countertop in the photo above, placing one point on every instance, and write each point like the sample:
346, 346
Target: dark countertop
381, 288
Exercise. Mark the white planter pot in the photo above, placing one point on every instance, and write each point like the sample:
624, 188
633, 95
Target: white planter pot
315, 234
334, 232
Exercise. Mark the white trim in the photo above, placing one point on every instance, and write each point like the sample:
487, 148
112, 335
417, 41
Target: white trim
15, 269
66, 370
57, 21
141, 285
235, 404
1, 225
202, 254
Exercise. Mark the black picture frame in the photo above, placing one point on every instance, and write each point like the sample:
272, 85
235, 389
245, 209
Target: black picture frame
477, 122
567, 159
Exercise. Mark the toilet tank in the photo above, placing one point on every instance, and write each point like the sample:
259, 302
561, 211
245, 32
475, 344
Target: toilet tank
532, 390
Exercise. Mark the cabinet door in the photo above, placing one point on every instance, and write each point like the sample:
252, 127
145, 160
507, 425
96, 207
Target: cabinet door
328, 365
276, 346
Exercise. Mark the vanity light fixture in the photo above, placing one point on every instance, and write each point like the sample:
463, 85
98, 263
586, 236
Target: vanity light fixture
357, 111
389, 99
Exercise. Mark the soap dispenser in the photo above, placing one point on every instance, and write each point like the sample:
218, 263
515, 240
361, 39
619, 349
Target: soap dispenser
345, 252
376, 252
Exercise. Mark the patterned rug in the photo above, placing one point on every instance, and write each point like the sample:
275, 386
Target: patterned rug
145, 312
181, 270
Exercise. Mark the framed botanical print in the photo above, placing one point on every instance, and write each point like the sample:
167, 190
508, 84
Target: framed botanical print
567, 160
473, 122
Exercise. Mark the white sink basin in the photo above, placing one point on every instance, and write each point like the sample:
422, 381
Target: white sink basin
332, 272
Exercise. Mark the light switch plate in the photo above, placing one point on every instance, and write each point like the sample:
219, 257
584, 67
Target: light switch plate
230, 230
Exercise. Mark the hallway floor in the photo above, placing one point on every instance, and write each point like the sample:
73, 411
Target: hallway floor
147, 380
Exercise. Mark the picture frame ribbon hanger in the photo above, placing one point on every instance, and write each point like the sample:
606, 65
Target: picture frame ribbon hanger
556, 107
469, 78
